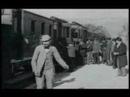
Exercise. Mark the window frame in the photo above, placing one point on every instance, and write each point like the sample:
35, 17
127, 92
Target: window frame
33, 26
42, 28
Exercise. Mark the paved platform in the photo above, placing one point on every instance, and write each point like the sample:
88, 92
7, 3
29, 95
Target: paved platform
94, 77
90, 77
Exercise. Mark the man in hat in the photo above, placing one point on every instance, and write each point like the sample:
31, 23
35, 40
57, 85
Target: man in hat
121, 57
42, 63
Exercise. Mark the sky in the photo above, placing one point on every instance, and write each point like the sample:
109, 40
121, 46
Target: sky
112, 19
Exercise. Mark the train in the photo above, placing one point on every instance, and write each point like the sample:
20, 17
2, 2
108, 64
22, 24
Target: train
21, 31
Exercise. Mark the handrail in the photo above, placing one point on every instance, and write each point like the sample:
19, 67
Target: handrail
22, 60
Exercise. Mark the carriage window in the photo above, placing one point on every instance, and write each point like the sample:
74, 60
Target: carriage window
59, 29
6, 11
33, 26
42, 28
2, 11
50, 28
67, 31
74, 34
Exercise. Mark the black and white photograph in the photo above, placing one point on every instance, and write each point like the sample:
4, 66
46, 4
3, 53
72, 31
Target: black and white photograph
65, 48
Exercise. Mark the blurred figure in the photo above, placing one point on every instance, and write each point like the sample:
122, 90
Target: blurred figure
83, 51
113, 58
96, 50
108, 51
103, 50
100, 53
89, 52
77, 46
72, 55
77, 53
121, 53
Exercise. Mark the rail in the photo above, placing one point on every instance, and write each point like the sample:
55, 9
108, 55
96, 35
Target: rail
18, 64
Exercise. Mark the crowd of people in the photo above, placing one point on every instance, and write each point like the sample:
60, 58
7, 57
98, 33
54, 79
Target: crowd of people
112, 52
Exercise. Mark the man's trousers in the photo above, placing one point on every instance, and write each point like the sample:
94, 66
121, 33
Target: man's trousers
46, 79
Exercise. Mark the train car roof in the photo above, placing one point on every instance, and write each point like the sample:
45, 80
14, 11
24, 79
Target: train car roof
38, 15
58, 19
78, 24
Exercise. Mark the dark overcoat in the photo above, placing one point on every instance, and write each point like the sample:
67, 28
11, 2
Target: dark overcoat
122, 56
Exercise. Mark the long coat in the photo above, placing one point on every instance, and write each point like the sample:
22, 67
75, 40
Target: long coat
39, 58
122, 56
108, 50
103, 49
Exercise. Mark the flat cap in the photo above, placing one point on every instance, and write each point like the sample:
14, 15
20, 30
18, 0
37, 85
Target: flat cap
45, 38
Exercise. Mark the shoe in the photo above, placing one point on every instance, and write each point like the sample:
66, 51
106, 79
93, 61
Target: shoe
114, 67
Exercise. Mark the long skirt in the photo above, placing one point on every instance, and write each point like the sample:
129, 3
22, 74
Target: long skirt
121, 61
